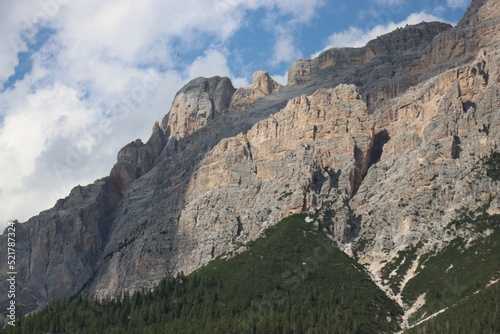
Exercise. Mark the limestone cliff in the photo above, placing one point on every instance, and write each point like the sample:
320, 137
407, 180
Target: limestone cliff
262, 85
382, 139
455, 47
382, 69
196, 104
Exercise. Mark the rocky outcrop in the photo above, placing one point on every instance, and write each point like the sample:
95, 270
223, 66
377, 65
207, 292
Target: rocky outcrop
396, 44
177, 219
322, 150
57, 251
196, 104
262, 85
364, 138
380, 69
455, 47
249, 182
478, 11
137, 158
437, 137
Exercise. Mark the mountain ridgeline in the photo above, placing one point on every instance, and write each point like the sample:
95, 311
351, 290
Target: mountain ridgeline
388, 153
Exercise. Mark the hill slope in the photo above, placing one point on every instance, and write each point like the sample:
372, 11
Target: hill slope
292, 280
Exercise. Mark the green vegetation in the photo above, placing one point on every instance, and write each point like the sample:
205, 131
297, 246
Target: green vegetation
487, 166
478, 313
459, 269
452, 277
293, 280
477, 220
359, 246
284, 195
325, 214
400, 267
491, 163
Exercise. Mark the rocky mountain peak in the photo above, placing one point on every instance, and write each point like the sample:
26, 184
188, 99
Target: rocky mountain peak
262, 85
480, 10
136, 158
455, 47
396, 44
407, 39
196, 104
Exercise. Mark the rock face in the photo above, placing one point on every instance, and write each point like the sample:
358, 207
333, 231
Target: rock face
381, 69
137, 158
262, 85
57, 251
196, 104
455, 47
380, 136
438, 132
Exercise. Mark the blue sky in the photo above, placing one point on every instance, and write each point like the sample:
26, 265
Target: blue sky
80, 79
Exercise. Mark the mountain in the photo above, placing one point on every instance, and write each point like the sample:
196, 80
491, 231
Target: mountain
292, 280
392, 148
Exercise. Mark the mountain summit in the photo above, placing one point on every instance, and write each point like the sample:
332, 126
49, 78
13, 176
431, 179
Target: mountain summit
387, 145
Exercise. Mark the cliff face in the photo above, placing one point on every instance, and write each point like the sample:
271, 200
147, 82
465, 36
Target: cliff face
198, 103
262, 85
384, 136
57, 251
455, 47
381, 69
438, 132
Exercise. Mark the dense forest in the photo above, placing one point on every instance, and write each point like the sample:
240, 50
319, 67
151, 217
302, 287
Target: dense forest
479, 313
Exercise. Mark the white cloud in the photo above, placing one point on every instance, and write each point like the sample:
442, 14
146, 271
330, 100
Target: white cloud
458, 3
440, 9
284, 50
213, 63
299, 10
282, 79
36, 123
357, 37
41, 118
55, 140
302, 11
11, 42
240, 82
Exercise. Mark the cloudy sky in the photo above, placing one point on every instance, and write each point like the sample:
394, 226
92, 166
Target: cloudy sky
80, 79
